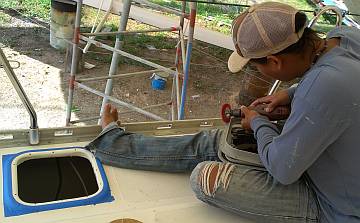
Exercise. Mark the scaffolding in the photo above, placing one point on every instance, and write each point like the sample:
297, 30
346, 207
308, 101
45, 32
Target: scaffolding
179, 75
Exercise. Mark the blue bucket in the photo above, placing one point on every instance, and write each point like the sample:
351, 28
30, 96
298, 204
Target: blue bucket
158, 82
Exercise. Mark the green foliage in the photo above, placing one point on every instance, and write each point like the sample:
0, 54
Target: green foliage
33, 8
7, 4
159, 41
212, 15
209, 15
4, 18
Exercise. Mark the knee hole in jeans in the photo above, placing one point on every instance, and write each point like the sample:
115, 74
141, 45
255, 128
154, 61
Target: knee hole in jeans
212, 175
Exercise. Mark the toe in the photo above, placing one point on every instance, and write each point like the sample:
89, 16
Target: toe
114, 113
107, 109
106, 117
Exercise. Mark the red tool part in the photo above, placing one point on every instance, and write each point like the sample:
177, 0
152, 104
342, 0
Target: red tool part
225, 113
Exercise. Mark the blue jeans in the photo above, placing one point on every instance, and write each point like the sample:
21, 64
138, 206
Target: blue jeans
245, 190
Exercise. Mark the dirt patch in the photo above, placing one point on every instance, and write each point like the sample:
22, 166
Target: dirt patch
43, 78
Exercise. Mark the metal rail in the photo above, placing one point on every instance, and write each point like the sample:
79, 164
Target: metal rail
334, 9
51, 136
34, 129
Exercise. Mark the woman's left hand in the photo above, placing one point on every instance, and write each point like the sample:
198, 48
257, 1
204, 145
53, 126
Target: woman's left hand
247, 116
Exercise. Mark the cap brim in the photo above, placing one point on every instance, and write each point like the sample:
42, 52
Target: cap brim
236, 62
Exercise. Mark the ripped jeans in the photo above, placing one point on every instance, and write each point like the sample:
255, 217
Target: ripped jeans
242, 189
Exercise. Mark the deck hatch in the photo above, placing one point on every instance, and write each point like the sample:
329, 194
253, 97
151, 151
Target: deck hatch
52, 179
47, 179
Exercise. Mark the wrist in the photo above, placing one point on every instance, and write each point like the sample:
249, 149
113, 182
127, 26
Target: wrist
258, 120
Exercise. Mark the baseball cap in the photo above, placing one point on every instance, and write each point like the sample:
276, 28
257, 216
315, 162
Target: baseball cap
262, 30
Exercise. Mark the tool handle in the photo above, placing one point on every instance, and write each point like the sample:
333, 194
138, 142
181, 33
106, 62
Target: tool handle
279, 113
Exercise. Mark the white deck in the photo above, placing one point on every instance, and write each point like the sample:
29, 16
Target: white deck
142, 195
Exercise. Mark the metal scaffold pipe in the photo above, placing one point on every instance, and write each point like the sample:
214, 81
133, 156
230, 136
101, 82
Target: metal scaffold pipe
118, 75
188, 57
128, 55
120, 113
100, 25
117, 101
184, 58
179, 59
74, 61
116, 56
171, 29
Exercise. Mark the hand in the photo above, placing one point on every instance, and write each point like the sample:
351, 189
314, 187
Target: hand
249, 115
279, 98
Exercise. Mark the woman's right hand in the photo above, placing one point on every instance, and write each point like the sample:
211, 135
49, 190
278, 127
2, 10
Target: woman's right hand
279, 98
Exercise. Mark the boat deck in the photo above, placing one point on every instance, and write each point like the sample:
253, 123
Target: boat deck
141, 195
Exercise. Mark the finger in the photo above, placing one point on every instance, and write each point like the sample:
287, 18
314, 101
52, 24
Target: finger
261, 101
244, 110
113, 109
271, 106
254, 103
242, 122
245, 124
107, 108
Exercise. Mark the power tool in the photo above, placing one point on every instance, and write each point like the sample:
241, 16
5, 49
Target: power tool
279, 113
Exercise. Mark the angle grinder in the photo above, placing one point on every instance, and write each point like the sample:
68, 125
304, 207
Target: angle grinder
279, 113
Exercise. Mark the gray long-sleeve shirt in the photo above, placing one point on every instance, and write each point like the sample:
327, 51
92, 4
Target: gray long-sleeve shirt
322, 135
